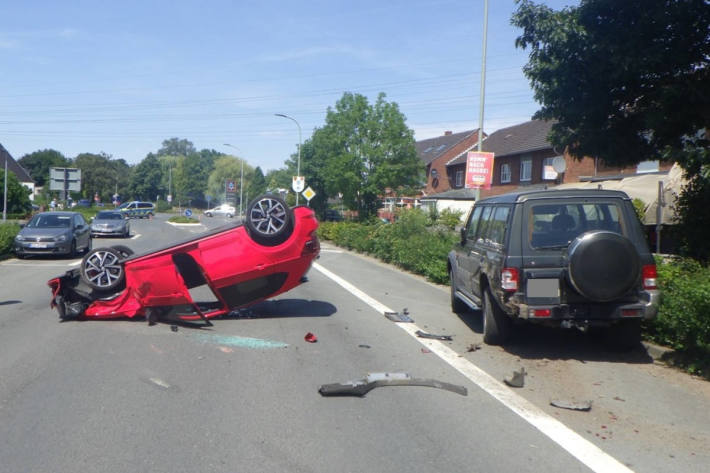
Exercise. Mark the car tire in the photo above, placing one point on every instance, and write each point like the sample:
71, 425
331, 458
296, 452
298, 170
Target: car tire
208, 214
229, 215
124, 251
457, 305
269, 220
102, 270
72, 249
89, 244
496, 325
603, 265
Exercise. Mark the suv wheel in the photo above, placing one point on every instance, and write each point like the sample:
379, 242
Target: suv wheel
457, 305
496, 325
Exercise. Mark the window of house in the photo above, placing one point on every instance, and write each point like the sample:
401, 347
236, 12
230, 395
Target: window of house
505, 173
525, 169
459, 178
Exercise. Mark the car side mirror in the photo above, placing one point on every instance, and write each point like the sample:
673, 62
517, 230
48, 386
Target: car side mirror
463, 235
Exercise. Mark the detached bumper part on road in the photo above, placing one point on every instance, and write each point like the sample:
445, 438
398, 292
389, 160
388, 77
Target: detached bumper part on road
375, 380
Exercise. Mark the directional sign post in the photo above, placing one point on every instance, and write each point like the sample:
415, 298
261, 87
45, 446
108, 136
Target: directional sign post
299, 183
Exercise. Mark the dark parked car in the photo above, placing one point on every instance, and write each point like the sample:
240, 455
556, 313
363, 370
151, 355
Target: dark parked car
53, 233
110, 223
569, 258
240, 264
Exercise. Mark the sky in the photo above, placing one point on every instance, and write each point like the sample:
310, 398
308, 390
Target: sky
120, 77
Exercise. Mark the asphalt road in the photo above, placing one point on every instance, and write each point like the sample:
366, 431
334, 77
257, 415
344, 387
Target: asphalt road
115, 396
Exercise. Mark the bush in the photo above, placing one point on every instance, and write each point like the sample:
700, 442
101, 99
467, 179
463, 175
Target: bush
410, 243
182, 219
163, 206
8, 231
683, 320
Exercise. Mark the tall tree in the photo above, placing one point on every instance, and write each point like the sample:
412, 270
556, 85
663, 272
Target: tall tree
39, 162
624, 81
146, 179
361, 150
257, 184
226, 168
98, 175
176, 147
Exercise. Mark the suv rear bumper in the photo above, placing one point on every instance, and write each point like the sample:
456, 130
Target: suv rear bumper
595, 314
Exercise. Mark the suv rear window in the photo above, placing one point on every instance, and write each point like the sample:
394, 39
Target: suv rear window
556, 225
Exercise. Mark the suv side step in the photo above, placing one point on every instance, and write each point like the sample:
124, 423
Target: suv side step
468, 301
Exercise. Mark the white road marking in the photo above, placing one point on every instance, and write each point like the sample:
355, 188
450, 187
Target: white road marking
135, 236
328, 250
579, 447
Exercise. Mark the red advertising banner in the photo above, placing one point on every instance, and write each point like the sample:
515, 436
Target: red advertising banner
479, 170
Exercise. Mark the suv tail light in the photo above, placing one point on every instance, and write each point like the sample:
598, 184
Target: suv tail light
649, 275
510, 278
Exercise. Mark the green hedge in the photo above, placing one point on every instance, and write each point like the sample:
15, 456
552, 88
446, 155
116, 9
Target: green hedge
683, 321
414, 242
7, 235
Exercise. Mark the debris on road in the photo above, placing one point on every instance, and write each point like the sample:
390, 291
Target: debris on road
310, 338
421, 334
572, 405
374, 380
473, 347
518, 379
397, 317
174, 328
426, 350
363, 345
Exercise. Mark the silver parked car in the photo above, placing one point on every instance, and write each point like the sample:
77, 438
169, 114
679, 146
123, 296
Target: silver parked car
53, 233
110, 223
224, 209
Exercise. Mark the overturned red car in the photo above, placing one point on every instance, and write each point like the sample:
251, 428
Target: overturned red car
242, 264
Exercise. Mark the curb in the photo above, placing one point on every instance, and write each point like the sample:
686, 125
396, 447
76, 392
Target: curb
657, 352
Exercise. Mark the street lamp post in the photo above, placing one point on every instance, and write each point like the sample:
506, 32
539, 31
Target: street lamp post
298, 164
241, 180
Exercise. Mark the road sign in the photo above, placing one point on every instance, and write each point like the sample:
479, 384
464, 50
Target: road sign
68, 179
170, 197
188, 213
309, 193
299, 183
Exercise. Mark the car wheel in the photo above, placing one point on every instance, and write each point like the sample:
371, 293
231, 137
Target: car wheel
101, 269
229, 215
603, 265
207, 214
496, 325
124, 251
457, 305
269, 220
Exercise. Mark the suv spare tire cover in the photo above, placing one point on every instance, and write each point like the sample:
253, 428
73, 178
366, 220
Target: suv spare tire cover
603, 265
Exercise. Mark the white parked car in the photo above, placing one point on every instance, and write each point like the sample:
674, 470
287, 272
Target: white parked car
224, 209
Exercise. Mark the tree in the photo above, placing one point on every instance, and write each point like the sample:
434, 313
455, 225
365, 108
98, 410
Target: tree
37, 164
98, 175
18, 196
176, 147
361, 150
146, 179
257, 184
226, 168
624, 81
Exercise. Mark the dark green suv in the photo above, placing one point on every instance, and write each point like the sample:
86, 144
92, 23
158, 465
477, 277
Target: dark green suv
567, 258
